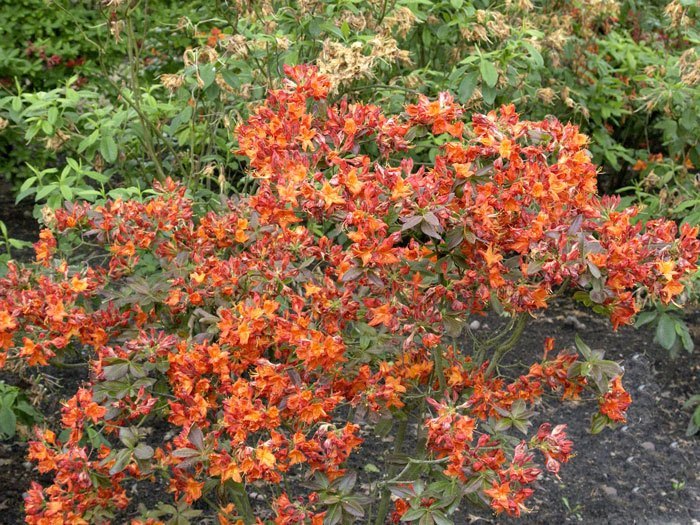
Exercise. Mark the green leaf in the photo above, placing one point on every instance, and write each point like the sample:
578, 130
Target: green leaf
333, 515
66, 192
371, 468
128, 436
666, 332
315, 27
441, 519
645, 318
427, 519
598, 423
108, 148
143, 451
583, 347
52, 115
207, 73
354, 508
488, 72
330, 27
88, 141
413, 514
24, 194
116, 371
122, 460
46, 190
534, 53
347, 482
97, 176
8, 421
686, 339
489, 94
467, 86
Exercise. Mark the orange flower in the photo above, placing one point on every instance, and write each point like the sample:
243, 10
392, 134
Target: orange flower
78, 285
7, 323
615, 402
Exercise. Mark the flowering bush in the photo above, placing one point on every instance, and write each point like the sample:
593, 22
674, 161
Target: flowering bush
276, 333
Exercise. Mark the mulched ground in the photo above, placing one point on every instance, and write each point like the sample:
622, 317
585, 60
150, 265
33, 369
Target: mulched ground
646, 471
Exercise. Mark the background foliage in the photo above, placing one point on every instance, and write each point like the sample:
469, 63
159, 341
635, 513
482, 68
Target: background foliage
156, 90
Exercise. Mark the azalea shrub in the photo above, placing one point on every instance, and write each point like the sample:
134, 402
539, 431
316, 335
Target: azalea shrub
275, 337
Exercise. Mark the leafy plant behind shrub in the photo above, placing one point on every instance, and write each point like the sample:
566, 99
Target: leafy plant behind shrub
15, 410
623, 71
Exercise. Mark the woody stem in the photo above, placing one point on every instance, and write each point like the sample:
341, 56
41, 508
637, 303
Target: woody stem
383, 509
507, 345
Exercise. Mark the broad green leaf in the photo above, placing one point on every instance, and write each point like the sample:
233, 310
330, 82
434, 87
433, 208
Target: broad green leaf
207, 73
488, 72
8, 421
467, 86
645, 318
108, 148
666, 331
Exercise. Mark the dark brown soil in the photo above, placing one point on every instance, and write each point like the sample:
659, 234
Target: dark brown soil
16, 473
646, 471
18, 219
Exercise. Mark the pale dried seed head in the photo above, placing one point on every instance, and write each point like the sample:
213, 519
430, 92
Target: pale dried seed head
689, 64
115, 28
675, 12
474, 33
237, 45
307, 6
401, 21
172, 82
266, 8
245, 91
283, 43
184, 23
57, 140
98, 163
208, 170
223, 85
412, 80
355, 21
343, 64
497, 25
48, 217
208, 54
546, 95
